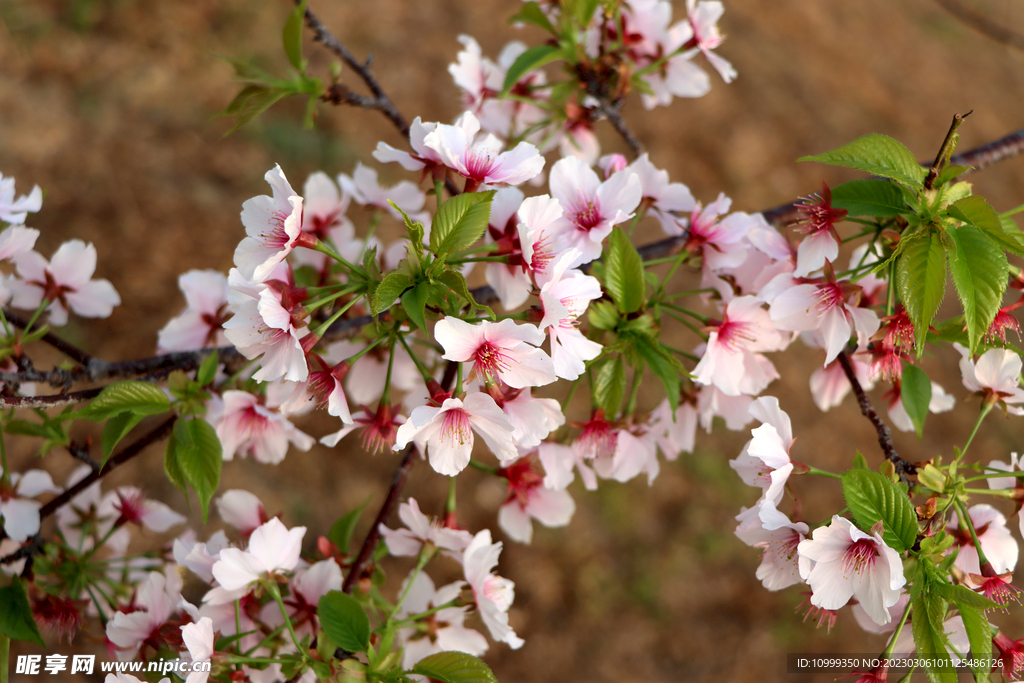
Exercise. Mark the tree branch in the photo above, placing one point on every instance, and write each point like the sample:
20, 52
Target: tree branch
983, 24
70, 350
613, 112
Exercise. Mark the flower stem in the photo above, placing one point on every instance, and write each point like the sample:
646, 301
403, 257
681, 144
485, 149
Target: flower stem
321, 329
275, 592
823, 473
965, 521
352, 268
985, 408
887, 653
476, 464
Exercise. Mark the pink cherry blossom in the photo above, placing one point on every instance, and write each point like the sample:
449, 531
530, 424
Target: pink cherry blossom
245, 426
532, 418
263, 325
198, 639
65, 281
704, 18
997, 542
509, 281
197, 557
675, 432
324, 206
529, 499
422, 157
996, 376
765, 460
824, 308
664, 197
422, 530
634, 453
591, 207
564, 298
732, 360
540, 225
779, 567
154, 604
129, 504
829, 384
494, 594
273, 226
447, 431
273, 548
17, 240
20, 514
482, 162
840, 562
14, 211
242, 510
443, 631
365, 190
822, 241
201, 324
504, 350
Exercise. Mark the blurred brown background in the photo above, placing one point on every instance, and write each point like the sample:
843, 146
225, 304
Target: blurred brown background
107, 105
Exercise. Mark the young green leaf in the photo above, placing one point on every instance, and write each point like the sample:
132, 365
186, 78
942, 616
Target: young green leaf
390, 288
980, 270
455, 667
979, 213
116, 428
921, 281
872, 497
930, 636
199, 457
172, 465
16, 620
610, 386
292, 35
456, 281
253, 100
141, 398
208, 369
531, 13
979, 635
624, 273
414, 301
951, 172
663, 364
869, 197
460, 222
345, 621
878, 155
530, 60
342, 529
916, 394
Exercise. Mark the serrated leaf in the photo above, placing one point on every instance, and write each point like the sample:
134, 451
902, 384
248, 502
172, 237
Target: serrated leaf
979, 635
343, 528
603, 315
414, 301
869, 197
530, 60
16, 620
456, 282
1010, 238
965, 596
200, 458
531, 13
138, 397
916, 394
979, 270
115, 429
878, 155
390, 288
663, 364
931, 640
979, 213
610, 386
460, 222
872, 497
292, 35
624, 273
951, 172
345, 621
921, 281
455, 667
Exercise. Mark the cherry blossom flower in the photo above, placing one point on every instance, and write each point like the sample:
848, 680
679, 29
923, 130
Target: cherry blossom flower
504, 350
242, 510
273, 226
529, 499
995, 376
560, 462
82, 523
818, 220
245, 426
539, 228
422, 157
422, 530
532, 418
129, 504
494, 594
447, 432
273, 548
633, 454
154, 604
323, 206
17, 240
663, 197
365, 190
765, 460
779, 568
20, 514
564, 298
442, 631
675, 432
380, 429
65, 281
201, 324
712, 403
996, 541
704, 18
198, 638
591, 207
840, 562
1011, 653
732, 361
940, 402
263, 325
199, 558
509, 281
829, 384
482, 162
305, 590
14, 211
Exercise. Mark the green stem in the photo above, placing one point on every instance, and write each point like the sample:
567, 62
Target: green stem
476, 464
5, 657
693, 314
35, 316
995, 475
385, 398
684, 354
6, 477
676, 262
362, 352
822, 473
696, 330
438, 187
458, 381
1009, 213
449, 506
965, 521
426, 553
352, 268
690, 292
275, 592
634, 392
1001, 493
479, 259
427, 613
427, 377
321, 329
887, 653
985, 408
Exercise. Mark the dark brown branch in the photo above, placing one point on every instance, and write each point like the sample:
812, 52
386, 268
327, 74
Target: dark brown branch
614, 115
51, 400
382, 102
983, 24
903, 468
945, 150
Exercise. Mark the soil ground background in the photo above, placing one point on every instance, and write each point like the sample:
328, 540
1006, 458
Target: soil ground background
107, 105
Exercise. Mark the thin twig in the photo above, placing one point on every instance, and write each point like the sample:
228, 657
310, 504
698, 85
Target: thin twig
614, 115
70, 350
903, 468
50, 400
982, 24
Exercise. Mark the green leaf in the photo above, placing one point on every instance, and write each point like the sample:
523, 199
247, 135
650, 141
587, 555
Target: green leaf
931, 639
414, 301
878, 155
531, 13
172, 465
859, 461
872, 497
610, 386
455, 667
916, 393
979, 635
200, 458
663, 364
390, 288
16, 620
530, 60
345, 621
456, 281
603, 315
965, 596
292, 36
138, 397
1010, 237
921, 281
582, 10
950, 172
116, 428
869, 197
980, 270
208, 369
460, 222
342, 529
253, 100
624, 273
979, 213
